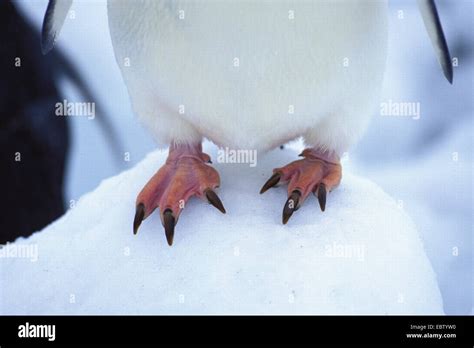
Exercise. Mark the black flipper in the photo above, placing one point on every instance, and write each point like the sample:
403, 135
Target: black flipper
54, 18
435, 31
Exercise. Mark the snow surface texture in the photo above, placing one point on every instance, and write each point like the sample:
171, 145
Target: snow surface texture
363, 255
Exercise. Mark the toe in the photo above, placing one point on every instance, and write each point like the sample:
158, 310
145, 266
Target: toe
169, 222
273, 181
321, 193
305, 180
139, 215
214, 199
291, 205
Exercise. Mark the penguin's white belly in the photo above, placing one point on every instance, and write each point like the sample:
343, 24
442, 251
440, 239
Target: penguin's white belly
250, 74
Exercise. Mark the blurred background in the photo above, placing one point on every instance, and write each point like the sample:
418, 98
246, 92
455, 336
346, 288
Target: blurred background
425, 164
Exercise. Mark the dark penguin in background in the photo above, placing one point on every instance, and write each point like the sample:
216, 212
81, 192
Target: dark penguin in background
34, 142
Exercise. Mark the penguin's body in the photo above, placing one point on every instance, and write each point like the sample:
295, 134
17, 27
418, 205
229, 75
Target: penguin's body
251, 74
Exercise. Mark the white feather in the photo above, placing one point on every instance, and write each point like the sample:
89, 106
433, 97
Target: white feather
252, 74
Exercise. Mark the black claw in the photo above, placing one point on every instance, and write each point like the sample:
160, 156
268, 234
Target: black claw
169, 222
290, 206
214, 199
139, 215
322, 192
274, 179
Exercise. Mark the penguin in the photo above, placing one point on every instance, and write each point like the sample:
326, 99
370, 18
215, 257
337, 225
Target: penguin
35, 142
249, 75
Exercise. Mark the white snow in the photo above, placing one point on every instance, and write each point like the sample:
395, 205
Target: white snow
363, 255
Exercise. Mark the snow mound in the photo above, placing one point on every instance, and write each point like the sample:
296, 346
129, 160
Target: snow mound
363, 255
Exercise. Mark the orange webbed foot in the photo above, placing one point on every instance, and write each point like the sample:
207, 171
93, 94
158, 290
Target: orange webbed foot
186, 173
316, 173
